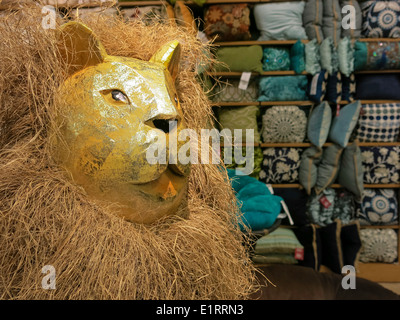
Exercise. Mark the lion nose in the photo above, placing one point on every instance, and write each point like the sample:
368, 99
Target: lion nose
165, 125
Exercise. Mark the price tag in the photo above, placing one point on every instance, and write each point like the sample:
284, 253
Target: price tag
337, 110
244, 80
325, 202
299, 254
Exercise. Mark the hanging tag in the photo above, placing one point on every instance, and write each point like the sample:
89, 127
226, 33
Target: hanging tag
299, 254
286, 209
269, 186
337, 110
325, 202
244, 80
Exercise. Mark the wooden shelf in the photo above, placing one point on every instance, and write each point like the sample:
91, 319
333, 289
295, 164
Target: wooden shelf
260, 43
257, 74
289, 103
151, 3
286, 103
379, 272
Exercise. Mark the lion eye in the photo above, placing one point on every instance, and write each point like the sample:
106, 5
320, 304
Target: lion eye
176, 99
119, 96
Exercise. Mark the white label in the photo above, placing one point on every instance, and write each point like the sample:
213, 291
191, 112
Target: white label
244, 80
314, 83
286, 209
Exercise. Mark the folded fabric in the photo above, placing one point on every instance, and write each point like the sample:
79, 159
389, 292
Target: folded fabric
378, 87
250, 59
283, 88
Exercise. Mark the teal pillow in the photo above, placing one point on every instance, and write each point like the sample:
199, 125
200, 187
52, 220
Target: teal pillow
344, 124
319, 123
346, 56
308, 170
297, 57
360, 55
351, 173
328, 168
250, 59
276, 59
329, 56
283, 88
313, 57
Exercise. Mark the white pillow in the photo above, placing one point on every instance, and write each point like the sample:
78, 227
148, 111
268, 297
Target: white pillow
280, 21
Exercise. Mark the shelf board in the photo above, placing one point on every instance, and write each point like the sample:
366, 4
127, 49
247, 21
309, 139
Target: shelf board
379, 272
257, 74
376, 71
151, 3
286, 103
378, 39
256, 42
235, 104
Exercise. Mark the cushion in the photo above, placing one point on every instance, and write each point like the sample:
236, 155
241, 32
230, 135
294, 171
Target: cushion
328, 168
317, 86
147, 14
298, 57
251, 57
320, 207
282, 240
378, 207
381, 19
230, 92
332, 20
334, 88
296, 202
377, 55
381, 165
278, 258
280, 21
345, 53
240, 118
379, 245
280, 165
351, 243
254, 158
283, 88
276, 59
184, 17
355, 14
319, 123
310, 239
378, 87
351, 173
331, 246
308, 171
329, 56
344, 207
312, 19
284, 124
313, 57
348, 88
379, 122
227, 22
344, 124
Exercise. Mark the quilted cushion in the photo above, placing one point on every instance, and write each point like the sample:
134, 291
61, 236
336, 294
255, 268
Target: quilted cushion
379, 245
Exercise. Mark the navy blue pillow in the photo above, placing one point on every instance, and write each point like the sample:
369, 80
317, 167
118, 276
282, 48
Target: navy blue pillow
334, 88
331, 246
317, 86
310, 239
296, 201
378, 86
348, 87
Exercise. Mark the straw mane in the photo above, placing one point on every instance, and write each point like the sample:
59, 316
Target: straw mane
45, 219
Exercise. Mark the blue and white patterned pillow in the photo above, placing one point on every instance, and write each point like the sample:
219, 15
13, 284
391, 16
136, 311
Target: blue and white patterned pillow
381, 19
378, 207
280, 165
379, 122
381, 165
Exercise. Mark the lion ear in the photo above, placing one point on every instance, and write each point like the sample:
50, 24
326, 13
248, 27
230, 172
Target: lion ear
169, 55
79, 47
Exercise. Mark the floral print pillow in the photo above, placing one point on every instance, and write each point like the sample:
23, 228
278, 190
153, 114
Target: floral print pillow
381, 164
280, 165
229, 22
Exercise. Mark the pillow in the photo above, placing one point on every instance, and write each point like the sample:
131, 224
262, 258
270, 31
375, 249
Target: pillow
298, 57
313, 57
251, 57
344, 208
280, 165
254, 156
328, 168
230, 91
377, 55
280, 21
351, 170
319, 123
351, 243
320, 207
381, 165
277, 258
310, 239
355, 30
147, 14
345, 53
348, 88
240, 118
332, 20
378, 207
227, 22
381, 19
329, 56
379, 245
296, 202
379, 122
184, 17
378, 87
282, 241
344, 124
276, 59
331, 245
283, 88
282, 124
334, 88
308, 170
312, 19
317, 86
